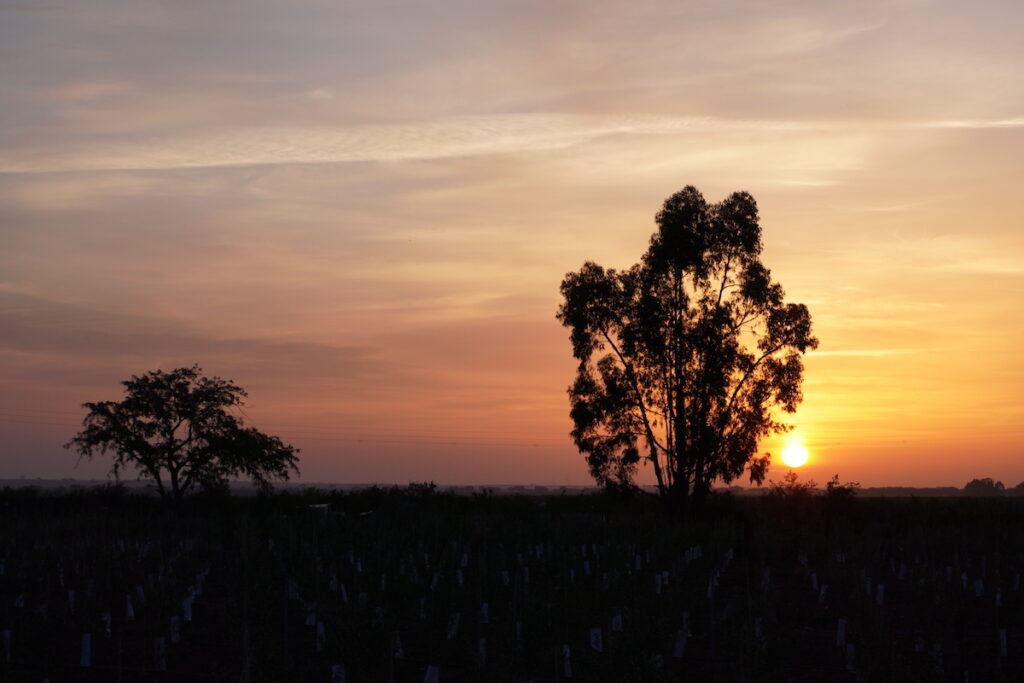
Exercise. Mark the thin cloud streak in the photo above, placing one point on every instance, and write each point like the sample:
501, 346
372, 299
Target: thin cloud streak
456, 137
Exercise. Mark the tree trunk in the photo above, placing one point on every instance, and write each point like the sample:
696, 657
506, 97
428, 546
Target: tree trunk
701, 489
154, 472
175, 487
677, 498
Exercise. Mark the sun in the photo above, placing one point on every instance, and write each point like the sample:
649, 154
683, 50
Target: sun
794, 455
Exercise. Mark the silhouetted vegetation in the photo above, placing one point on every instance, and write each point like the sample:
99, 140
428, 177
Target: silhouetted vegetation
791, 488
984, 487
684, 356
836, 490
176, 429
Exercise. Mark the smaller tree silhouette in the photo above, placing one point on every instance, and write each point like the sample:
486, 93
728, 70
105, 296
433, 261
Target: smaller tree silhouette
176, 429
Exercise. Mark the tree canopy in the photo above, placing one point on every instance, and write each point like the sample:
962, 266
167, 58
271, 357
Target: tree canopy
984, 487
177, 429
686, 359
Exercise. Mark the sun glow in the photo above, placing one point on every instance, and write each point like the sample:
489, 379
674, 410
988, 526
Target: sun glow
794, 455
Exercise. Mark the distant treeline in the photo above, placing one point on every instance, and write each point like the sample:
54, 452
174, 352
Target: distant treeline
987, 487
976, 487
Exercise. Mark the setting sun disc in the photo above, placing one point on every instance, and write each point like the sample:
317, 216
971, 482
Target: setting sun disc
794, 455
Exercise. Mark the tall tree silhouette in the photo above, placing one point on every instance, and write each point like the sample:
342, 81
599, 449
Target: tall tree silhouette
684, 357
176, 429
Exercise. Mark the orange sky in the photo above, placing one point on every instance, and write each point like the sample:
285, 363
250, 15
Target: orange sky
362, 215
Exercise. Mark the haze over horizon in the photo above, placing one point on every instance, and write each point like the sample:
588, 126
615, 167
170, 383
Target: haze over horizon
362, 214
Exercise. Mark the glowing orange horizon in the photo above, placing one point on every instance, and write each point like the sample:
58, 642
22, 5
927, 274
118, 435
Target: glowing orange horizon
372, 247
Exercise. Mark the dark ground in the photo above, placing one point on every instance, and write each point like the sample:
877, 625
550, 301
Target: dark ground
752, 590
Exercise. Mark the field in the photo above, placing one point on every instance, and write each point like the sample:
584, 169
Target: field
411, 584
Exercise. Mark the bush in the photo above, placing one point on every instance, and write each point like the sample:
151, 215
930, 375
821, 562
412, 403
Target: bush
791, 488
835, 490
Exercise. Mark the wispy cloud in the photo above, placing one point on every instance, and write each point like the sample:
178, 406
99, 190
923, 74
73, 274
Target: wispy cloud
454, 137
43, 328
973, 124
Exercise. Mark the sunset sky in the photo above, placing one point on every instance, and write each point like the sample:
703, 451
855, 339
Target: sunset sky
361, 212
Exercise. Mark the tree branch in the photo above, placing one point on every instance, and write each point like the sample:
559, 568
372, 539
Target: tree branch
746, 375
636, 389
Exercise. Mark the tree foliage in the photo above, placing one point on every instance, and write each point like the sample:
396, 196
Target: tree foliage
177, 429
984, 487
686, 358
837, 490
791, 488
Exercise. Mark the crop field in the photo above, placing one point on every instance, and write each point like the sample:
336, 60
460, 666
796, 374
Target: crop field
414, 585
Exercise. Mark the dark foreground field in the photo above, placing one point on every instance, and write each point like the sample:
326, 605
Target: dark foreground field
383, 585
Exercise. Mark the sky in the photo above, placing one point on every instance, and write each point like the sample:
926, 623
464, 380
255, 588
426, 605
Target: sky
361, 212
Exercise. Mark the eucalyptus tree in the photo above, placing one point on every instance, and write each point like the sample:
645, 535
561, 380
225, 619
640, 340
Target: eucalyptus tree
177, 429
688, 358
